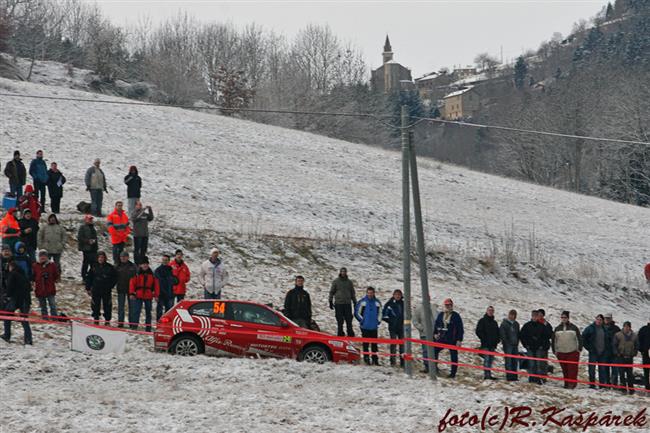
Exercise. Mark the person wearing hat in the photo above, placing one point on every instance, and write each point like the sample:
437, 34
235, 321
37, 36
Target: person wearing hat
29, 200
599, 347
125, 270
181, 274
449, 330
46, 275
213, 275
87, 244
17, 173
29, 232
567, 345
644, 348
611, 329
18, 298
626, 346
143, 288
133, 183
102, 277
342, 300
53, 237
96, 184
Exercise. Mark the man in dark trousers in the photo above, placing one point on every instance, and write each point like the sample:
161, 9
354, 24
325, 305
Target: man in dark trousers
611, 329
55, 181
449, 329
368, 312
599, 347
644, 348
509, 333
144, 287
342, 299
165, 275
18, 298
393, 314
17, 173
87, 244
536, 338
38, 172
126, 270
297, 304
133, 186
29, 232
487, 330
102, 278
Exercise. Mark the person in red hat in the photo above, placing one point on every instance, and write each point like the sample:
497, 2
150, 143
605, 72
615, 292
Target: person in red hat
30, 201
10, 229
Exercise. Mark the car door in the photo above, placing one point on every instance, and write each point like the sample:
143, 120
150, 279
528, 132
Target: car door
209, 322
259, 329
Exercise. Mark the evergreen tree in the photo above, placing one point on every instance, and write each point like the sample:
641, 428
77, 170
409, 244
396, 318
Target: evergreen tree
521, 70
609, 12
233, 92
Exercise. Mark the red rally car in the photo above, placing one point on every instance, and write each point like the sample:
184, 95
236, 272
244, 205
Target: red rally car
242, 328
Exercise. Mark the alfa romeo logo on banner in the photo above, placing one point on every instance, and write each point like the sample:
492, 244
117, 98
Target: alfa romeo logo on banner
95, 342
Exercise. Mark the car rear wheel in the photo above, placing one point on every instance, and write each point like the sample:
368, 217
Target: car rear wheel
186, 345
316, 354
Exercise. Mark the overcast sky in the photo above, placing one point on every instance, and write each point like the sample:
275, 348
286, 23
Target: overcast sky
425, 35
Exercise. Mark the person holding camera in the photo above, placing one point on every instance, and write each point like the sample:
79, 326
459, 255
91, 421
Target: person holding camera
46, 275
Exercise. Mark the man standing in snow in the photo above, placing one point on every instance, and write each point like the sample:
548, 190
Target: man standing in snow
297, 304
118, 227
368, 312
96, 184
29, 232
125, 270
38, 172
611, 329
487, 330
133, 186
141, 217
509, 333
17, 174
567, 345
594, 338
46, 275
55, 181
342, 299
181, 274
644, 348
449, 330
393, 314
213, 276
101, 280
144, 287
419, 324
165, 276
535, 337
87, 244
626, 346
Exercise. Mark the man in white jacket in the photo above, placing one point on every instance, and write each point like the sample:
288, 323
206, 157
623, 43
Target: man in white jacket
213, 276
419, 324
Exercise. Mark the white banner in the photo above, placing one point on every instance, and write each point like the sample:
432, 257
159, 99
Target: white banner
93, 339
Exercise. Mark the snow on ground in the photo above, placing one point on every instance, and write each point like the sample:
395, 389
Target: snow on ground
280, 202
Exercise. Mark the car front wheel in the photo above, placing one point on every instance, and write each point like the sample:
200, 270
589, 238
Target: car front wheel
316, 354
186, 346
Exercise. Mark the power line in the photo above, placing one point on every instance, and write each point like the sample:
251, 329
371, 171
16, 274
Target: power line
376, 117
531, 131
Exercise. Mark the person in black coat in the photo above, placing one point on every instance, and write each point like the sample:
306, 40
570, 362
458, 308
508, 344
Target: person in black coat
487, 330
297, 304
29, 232
18, 298
102, 277
536, 338
393, 314
17, 173
644, 348
55, 182
133, 183
166, 281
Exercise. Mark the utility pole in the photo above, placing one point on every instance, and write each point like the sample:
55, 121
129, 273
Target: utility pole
424, 281
406, 239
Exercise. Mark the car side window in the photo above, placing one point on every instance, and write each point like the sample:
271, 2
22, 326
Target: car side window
254, 314
213, 309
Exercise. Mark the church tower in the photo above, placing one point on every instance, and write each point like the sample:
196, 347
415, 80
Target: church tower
388, 51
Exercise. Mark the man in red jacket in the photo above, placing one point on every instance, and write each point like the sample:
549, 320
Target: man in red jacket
46, 275
118, 227
143, 288
30, 201
182, 274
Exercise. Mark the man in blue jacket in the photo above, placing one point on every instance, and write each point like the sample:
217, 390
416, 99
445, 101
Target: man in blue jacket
368, 313
393, 314
449, 330
38, 172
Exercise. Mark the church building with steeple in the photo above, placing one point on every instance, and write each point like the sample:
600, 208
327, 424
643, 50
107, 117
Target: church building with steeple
390, 76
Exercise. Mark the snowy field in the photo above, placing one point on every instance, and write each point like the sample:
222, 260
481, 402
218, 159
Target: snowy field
280, 202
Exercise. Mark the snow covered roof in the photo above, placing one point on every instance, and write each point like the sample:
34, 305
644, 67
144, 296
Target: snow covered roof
429, 76
471, 79
458, 92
